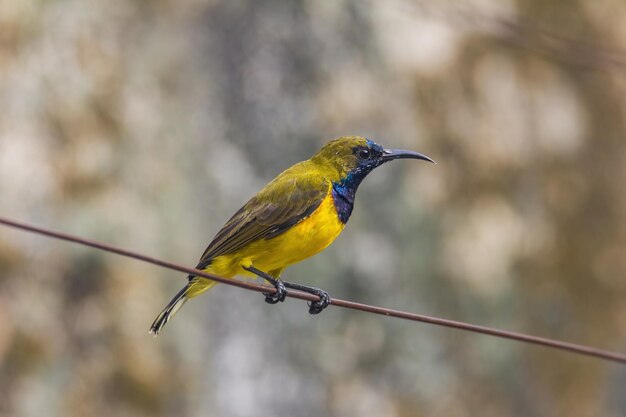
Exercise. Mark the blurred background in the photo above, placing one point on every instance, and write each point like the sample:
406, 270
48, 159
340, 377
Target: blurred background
146, 124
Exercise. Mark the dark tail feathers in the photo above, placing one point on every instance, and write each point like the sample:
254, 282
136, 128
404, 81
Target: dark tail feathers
167, 313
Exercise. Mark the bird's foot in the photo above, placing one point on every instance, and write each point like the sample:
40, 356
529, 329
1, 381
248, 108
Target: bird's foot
279, 295
271, 297
315, 307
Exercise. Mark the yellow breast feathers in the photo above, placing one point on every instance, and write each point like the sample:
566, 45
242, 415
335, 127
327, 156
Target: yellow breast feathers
307, 238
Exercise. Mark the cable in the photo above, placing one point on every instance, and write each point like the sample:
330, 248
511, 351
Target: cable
542, 341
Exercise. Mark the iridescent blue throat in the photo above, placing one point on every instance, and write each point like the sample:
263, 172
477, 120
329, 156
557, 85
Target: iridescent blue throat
343, 194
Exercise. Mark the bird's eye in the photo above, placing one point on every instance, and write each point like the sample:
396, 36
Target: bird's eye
364, 153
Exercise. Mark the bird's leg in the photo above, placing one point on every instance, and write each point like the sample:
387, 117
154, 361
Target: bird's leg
281, 291
315, 307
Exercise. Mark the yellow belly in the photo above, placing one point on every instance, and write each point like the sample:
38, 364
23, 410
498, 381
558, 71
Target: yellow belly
303, 240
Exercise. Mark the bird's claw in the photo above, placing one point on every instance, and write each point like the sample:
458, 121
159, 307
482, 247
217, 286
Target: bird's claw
279, 295
316, 307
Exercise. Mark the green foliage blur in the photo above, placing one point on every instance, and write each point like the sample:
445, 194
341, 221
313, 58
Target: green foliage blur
146, 124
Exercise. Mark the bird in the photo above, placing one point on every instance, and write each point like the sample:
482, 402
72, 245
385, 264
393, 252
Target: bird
295, 216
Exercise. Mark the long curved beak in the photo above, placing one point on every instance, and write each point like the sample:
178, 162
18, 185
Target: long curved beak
391, 154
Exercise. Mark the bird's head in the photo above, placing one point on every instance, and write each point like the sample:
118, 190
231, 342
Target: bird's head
351, 158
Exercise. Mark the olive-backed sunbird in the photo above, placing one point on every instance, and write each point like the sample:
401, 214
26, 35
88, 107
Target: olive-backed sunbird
298, 214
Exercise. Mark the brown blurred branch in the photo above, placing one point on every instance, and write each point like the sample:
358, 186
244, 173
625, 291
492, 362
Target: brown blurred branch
556, 344
525, 33
519, 31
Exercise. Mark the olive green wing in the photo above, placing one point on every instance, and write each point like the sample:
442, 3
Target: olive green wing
287, 200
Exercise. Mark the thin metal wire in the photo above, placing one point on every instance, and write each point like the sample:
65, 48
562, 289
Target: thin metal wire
542, 341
